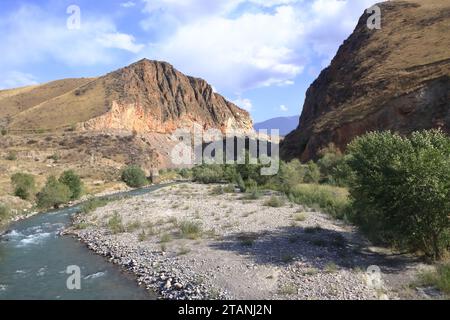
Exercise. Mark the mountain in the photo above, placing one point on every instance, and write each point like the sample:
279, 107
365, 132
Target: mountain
147, 96
396, 78
284, 124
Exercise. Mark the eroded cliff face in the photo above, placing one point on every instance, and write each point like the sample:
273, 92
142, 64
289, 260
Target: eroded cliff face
151, 96
396, 78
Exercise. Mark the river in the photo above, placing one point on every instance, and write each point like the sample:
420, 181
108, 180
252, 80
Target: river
34, 261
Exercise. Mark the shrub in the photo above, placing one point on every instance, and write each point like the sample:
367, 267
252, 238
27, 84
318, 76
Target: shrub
274, 202
134, 177
4, 132
115, 224
440, 278
230, 188
330, 158
290, 174
53, 194
24, 185
12, 156
401, 189
208, 174
73, 181
312, 173
241, 184
217, 190
185, 173
190, 229
254, 195
251, 185
332, 200
92, 205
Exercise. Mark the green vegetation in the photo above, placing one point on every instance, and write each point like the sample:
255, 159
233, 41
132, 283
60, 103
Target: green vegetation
275, 202
115, 224
300, 216
332, 200
92, 204
400, 189
165, 238
134, 177
440, 278
190, 229
24, 185
53, 194
73, 181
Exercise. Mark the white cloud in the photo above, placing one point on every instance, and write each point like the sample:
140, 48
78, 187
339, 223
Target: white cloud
237, 51
245, 104
30, 35
15, 79
283, 108
128, 4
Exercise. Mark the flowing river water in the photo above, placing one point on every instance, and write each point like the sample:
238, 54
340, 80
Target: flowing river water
34, 261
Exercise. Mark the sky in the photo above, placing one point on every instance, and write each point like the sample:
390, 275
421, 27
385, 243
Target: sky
260, 54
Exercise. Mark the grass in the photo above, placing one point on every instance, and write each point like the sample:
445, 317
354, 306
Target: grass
142, 236
190, 229
331, 268
133, 226
299, 217
115, 224
439, 278
254, 195
287, 289
217, 190
92, 204
229, 188
330, 199
166, 238
183, 251
81, 226
274, 202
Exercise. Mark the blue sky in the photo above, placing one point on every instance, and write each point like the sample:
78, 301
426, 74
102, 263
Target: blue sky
260, 54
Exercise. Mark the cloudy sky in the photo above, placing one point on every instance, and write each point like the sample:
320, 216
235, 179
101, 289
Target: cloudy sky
261, 54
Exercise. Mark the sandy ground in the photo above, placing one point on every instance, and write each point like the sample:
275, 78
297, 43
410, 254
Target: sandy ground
244, 250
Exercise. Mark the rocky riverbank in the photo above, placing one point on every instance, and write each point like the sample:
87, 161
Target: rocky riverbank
189, 241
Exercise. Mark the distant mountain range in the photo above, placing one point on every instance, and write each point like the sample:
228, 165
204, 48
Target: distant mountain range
284, 124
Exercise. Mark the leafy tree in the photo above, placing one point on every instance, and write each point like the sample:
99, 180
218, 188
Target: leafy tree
73, 181
312, 173
24, 185
53, 194
134, 177
401, 189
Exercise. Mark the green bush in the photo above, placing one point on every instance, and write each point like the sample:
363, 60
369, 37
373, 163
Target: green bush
251, 185
440, 278
290, 174
331, 200
241, 183
208, 174
24, 185
275, 202
401, 189
330, 159
312, 173
53, 194
185, 173
115, 224
92, 204
4, 132
134, 177
73, 181
190, 229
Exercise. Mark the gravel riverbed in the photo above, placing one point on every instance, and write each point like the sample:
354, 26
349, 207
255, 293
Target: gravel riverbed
184, 242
